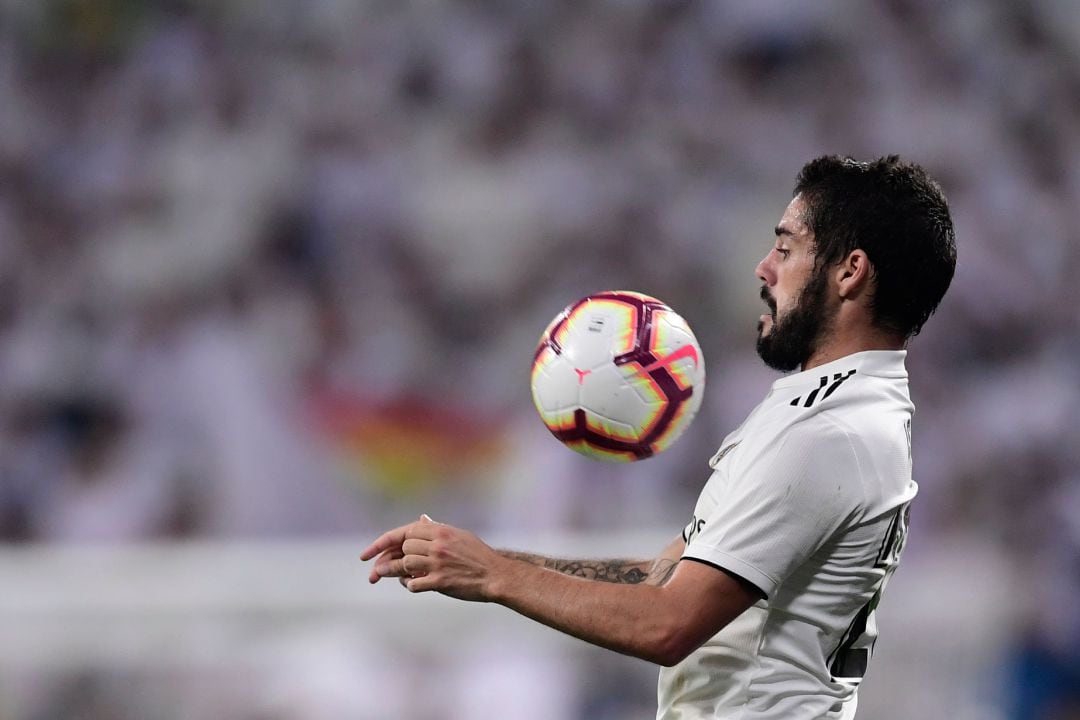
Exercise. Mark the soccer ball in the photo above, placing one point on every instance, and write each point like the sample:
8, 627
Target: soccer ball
618, 376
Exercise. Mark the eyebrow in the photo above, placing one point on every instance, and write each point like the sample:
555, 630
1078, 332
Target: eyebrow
781, 230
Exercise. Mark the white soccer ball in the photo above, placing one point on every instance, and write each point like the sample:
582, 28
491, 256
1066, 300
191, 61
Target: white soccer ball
618, 376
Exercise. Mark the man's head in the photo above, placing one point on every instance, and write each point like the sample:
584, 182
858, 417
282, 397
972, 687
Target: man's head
876, 235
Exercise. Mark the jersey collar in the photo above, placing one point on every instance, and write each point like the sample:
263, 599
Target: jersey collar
880, 363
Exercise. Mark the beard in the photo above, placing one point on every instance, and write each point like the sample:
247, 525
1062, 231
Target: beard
795, 337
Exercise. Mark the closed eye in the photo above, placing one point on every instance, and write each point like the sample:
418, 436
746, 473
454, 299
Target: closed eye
784, 252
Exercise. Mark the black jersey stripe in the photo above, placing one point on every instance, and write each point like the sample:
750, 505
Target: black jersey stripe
839, 381
813, 396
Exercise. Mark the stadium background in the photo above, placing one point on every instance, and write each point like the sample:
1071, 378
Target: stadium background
271, 275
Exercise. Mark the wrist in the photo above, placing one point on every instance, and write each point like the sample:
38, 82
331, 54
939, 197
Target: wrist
504, 576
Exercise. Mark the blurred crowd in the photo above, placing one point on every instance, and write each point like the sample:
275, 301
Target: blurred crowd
278, 270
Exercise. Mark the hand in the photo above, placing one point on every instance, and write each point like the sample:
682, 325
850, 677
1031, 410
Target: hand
434, 556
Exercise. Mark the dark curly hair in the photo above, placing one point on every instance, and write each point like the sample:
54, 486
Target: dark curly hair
895, 213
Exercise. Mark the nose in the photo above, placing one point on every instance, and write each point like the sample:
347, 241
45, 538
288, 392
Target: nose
765, 271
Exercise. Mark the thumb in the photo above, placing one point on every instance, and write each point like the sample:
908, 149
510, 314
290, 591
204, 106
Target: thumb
425, 518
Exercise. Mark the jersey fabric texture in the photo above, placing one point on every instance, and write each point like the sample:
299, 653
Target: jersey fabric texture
807, 501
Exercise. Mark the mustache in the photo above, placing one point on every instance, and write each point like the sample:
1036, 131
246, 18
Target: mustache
768, 299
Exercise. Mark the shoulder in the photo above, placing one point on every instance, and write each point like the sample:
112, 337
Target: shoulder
809, 450
821, 442
792, 438
847, 407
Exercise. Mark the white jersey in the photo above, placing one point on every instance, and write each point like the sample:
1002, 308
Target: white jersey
808, 501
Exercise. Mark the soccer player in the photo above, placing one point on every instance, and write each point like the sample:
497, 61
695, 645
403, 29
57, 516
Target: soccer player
764, 606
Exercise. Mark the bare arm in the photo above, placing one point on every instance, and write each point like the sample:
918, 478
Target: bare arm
661, 622
628, 572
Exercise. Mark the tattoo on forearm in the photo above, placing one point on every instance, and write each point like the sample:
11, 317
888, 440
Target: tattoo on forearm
629, 572
661, 570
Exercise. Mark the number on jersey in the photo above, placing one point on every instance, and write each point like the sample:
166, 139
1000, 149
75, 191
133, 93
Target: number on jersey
848, 661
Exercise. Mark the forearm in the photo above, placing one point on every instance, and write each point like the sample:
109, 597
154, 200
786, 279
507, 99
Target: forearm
660, 617
613, 614
622, 571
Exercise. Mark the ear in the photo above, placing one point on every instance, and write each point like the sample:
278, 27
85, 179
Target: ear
853, 275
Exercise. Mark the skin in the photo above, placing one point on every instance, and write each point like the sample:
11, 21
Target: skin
660, 622
629, 572
784, 271
659, 610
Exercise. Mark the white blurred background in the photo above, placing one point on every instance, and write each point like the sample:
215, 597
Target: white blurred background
271, 277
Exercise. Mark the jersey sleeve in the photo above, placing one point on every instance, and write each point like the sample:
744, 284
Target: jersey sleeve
780, 505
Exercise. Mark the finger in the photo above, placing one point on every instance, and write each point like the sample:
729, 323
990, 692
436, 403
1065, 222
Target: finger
408, 566
422, 584
424, 517
387, 555
391, 568
416, 546
421, 530
424, 530
389, 539
391, 554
